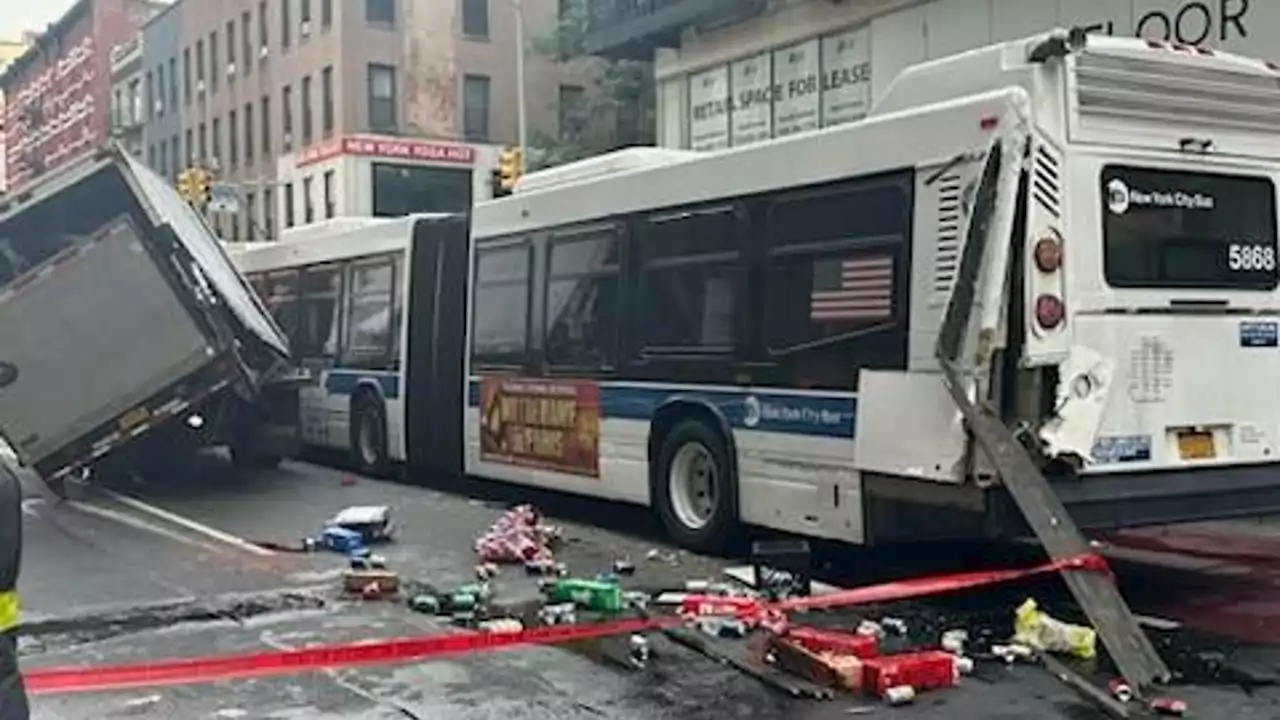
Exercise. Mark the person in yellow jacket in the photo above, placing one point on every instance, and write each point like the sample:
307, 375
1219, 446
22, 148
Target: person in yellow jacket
13, 696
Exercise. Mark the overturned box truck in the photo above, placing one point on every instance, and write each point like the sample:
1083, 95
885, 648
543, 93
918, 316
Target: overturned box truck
128, 341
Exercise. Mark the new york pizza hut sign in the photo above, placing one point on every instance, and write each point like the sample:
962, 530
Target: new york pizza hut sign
388, 149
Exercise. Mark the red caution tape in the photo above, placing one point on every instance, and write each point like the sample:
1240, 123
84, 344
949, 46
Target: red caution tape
44, 681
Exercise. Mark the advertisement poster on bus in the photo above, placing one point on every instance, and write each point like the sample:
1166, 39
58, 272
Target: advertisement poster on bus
709, 109
846, 77
546, 424
796, 107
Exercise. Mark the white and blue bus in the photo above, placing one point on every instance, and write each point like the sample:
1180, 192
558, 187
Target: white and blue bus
749, 337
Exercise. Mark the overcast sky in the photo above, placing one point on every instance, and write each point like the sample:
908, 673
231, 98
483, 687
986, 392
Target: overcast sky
19, 15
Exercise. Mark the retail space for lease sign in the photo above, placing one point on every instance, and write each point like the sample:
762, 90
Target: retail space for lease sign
816, 83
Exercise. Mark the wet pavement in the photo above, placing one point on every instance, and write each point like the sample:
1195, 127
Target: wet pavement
183, 553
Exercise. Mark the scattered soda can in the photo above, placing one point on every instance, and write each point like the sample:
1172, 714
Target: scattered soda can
624, 567
372, 591
638, 648
696, 586
310, 544
377, 562
963, 666
462, 601
870, 629
359, 563
463, 619
636, 599
425, 604
953, 641
1012, 653
1168, 707
900, 695
482, 572
1120, 690
894, 625
502, 625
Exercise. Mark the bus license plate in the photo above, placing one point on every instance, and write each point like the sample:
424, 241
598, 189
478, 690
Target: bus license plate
1196, 445
134, 418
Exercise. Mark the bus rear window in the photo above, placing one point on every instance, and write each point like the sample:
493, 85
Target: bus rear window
1178, 229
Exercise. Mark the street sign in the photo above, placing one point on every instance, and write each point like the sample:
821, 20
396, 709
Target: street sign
224, 198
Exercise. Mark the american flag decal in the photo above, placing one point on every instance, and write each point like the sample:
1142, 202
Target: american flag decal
858, 290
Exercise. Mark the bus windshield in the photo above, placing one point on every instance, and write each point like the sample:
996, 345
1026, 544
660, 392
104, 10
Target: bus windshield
1180, 229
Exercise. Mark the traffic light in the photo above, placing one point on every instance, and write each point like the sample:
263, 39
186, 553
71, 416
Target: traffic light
193, 185
510, 168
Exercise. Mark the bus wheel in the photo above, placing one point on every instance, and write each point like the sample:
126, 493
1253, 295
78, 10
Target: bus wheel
694, 491
369, 436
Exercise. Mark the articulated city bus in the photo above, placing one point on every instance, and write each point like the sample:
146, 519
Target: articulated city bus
751, 336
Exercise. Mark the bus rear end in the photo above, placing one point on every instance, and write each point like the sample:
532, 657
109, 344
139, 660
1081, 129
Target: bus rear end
1161, 315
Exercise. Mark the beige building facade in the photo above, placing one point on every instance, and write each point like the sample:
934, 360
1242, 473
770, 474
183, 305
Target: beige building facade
239, 84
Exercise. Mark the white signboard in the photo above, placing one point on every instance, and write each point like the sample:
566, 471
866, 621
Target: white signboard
224, 198
709, 109
846, 77
797, 106
751, 81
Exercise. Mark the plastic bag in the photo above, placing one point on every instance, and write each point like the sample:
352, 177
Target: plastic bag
1039, 631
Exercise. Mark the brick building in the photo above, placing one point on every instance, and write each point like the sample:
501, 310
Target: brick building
58, 90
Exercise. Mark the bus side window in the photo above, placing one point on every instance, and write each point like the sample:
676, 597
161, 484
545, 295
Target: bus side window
368, 320
281, 299
319, 314
690, 280
836, 289
582, 298
500, 318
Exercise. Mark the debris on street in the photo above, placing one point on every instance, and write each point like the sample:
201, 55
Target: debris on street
1037, 630
518, 536
371, 522
1168, 707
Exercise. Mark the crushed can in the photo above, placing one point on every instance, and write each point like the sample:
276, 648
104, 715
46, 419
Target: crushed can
894, 625
425, 604
1120, 690
638, 650
624, 567
900, 695
463, 602
963, 666
953, 641
636, 599
1168, 707
310, 544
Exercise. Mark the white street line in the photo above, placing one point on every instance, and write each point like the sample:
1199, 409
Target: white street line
137, 524
192, 525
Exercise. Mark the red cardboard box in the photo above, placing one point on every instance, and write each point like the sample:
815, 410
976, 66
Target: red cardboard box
928, 670
835, 643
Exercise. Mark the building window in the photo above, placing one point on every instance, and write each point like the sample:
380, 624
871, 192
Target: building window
160, 90
231, 49
330, 207
233, 140
163, 167
263, 29
286, 116
151, 156
268, 214
217, 141
475, 18
186, 76
326, 13
190, 148
246, 40
151, 95
304, 15
475, 107
381, 12
308, 202
326, 101
382, 98
573, 118
117, 111
265, 111
250, 217
286, 22
215, 68
200, 66
173, 82
306, 111
175, 156
250, 150
288, 205
203, 141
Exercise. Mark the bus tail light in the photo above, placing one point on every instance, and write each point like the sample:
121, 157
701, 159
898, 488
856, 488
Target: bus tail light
1049, 311
1048, 254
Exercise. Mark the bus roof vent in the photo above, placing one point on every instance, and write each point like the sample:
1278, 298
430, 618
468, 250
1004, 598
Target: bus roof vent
619, 161
1220, 92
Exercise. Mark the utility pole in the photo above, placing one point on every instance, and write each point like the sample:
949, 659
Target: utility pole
523, 131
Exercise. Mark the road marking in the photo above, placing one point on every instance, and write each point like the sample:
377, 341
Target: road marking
192, 525
138, 524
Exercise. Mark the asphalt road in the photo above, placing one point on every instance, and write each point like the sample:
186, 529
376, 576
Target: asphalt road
182, 552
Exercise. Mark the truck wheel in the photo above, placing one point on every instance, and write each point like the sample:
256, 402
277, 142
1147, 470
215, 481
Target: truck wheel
369, 436
694, 489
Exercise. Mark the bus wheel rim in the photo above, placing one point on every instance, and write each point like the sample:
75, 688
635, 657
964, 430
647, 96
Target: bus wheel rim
694, 485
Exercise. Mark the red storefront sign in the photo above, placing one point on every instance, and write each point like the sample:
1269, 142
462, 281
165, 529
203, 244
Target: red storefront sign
387, 148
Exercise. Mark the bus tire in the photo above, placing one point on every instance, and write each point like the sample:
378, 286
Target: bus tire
369, 435
695, 493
